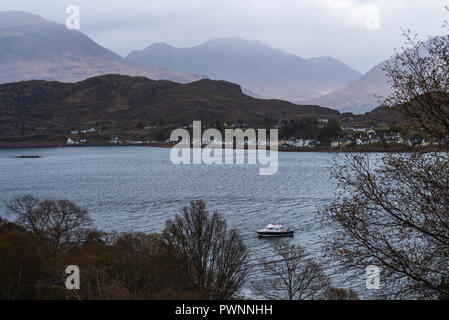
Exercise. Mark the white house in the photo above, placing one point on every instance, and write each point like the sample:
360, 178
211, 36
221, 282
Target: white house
341, 142
91, 130
115, 140
323, 120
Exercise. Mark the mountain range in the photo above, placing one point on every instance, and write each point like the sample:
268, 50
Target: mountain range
32, 47
261, 70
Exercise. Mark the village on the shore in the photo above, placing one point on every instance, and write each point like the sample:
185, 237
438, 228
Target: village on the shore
350, 136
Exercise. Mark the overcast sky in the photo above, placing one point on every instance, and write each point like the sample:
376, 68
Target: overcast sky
361, 33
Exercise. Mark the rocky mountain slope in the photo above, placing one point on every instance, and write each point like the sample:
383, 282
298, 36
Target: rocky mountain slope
121, 102
359, 96
34, 48
258, 68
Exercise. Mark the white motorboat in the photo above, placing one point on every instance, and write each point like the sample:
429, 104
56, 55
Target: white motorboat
275, 230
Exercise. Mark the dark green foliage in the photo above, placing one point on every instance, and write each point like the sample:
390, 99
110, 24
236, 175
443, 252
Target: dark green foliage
331, 130
308, 128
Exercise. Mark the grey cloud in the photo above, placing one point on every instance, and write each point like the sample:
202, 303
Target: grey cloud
304, 27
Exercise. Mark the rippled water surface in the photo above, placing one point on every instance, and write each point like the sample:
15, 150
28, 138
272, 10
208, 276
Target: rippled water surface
138, 189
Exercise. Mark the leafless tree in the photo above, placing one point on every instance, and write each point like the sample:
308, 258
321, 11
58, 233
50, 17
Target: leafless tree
215, 256
291, 275
393, 210
419, 78
60, 221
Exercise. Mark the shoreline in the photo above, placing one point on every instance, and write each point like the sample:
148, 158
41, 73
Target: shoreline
355, 149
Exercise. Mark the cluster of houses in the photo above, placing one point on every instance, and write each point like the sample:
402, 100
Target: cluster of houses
300, 143
323, 120
139, 142
83, 131
356, 136
341, 143
246, 142
116, 140
367, 136
71, 142
212, 141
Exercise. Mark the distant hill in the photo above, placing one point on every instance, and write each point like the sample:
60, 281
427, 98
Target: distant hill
122, 102
259, 69
34, 48
360, 95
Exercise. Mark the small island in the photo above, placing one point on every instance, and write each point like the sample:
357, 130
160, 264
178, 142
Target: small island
28, 157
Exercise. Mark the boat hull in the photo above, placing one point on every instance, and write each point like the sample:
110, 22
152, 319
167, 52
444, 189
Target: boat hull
268, 234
